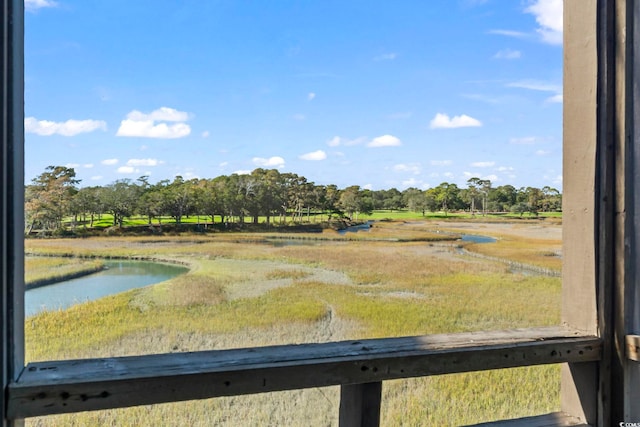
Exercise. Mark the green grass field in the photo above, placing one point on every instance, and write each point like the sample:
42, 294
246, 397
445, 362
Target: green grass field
242, 291
106, 220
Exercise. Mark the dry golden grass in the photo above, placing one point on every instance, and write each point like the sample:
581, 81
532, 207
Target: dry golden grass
40, 269
242, 294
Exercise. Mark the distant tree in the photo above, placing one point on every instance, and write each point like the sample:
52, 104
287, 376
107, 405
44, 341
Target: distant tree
503, 197
551, 199
87, 202
415, 200
473, 192
353, 201
447, 195
178, 198
49, 197
151, 201
121, 199
393, 199
330, 201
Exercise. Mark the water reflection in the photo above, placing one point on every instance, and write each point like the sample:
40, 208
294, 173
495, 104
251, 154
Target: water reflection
119, 276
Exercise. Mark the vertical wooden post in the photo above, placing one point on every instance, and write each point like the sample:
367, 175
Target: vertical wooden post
627, 312
602, 131
579, 311
11, 197
360, 405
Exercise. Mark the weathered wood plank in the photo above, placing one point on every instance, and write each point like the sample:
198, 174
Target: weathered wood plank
633, 347
360, 404
11, 196
557, 419
82, 385
579, 226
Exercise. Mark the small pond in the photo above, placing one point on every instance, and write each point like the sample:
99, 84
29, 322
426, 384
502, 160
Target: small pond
474, 238
355, 228
119, 276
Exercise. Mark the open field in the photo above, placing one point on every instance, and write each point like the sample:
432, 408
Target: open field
401, 278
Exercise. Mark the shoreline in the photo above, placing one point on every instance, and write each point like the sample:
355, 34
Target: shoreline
53, 280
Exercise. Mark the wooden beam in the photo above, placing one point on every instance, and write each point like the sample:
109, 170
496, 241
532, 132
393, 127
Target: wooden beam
83, 385
556, 419
627, 311
580, 136
633, 347
360, 404
11, 197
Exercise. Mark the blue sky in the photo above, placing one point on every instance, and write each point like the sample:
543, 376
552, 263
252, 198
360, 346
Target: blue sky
373, 93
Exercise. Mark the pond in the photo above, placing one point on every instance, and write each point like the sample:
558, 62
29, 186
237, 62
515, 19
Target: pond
474, 238
355, 228
119, 276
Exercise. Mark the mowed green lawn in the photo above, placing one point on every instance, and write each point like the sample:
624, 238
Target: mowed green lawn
245, 291
106, 220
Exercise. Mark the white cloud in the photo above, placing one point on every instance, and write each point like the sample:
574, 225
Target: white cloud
68, 128
110, 162
299, 117
147, 129
411, 168
334, 142
314, 155
188, 176
412, 182
542, 153
548, 15
443, 121
483, 164
508, 54
337, 141
127, 170
96, 177
506, 169
311, 96
242, 172
536, 85
385, 57
144, 162
162, 114
205, 134
271, 162
440, 162
385, 141
33, 5
556, 99
78, 165
138, 124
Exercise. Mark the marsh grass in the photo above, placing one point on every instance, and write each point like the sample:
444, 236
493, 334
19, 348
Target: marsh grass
39, 270
539, 252
240, 294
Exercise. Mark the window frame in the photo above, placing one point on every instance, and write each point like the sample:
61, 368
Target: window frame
11, 196
601, 158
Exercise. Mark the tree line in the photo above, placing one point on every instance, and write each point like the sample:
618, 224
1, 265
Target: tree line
267, 194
